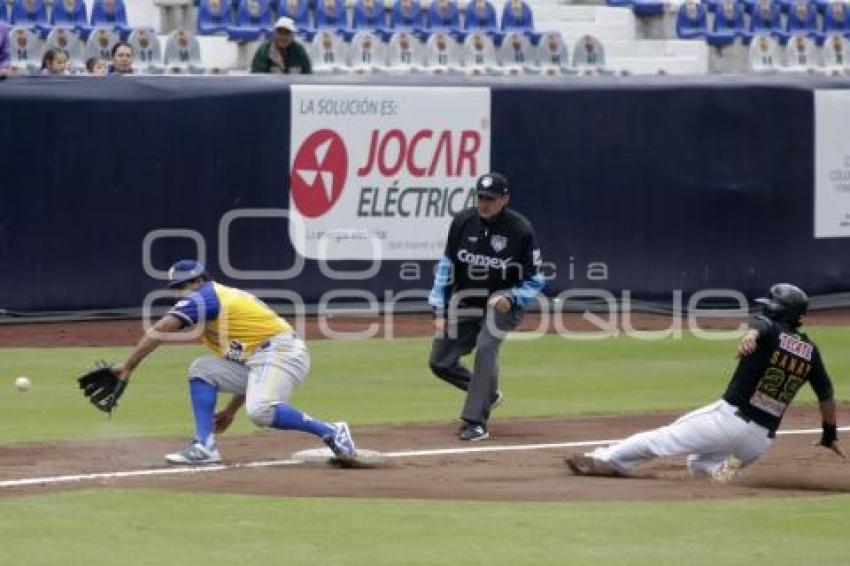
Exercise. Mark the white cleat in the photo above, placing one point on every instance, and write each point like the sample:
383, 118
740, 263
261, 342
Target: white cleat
196, 454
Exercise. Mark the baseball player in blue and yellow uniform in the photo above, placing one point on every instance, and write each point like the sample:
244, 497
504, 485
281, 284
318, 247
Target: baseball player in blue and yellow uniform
258, 358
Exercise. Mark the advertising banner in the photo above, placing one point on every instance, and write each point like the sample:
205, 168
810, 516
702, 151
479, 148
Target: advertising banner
832, 164
378, 172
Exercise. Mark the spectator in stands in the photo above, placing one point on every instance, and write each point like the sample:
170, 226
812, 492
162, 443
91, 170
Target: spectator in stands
4, 50
282, 54
122, 59
97, 66
54, 62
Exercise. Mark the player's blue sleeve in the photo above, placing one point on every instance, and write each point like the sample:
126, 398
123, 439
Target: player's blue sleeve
202, 305
437, 298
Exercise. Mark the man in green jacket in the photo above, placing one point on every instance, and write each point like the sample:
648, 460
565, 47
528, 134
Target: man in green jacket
282, 54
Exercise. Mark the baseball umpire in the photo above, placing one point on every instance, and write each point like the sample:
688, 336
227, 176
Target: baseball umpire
486, 278
776, 359
259, 359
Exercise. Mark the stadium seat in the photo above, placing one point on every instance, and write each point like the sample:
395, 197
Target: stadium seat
110, 13
183, 54
368, 53
330, 14
728, 24
802, 19
691, 20
480, 14
25, 49
404, 54
328, 53
299, 11
65, 39
478, 54
836, 53
72, 14
253, 19
32, 14
764, 53
408, 15
4, 13
517, 15
647, 8
515, 53
441, 53
214, 16
766, 18
444, 15
552, 56
800, 54
835, 21
147, 53
100, 43
589, 56
370, 15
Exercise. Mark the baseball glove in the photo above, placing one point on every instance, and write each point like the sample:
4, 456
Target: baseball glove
102, 387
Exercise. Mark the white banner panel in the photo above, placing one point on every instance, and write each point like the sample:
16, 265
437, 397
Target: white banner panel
832, 164
378, 172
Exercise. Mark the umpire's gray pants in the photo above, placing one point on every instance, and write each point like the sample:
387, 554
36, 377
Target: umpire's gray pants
482, 382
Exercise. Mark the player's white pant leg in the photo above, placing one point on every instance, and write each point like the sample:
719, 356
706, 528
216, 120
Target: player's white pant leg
275, 372
704, 431
225, 375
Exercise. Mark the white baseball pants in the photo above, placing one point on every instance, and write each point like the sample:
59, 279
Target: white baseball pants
708, 436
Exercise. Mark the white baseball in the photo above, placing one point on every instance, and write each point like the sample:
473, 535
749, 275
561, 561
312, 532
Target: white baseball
22, 384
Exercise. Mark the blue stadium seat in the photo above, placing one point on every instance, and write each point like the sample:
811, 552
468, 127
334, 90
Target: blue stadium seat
644, 8
835, 22
480, 14
369, 15
72, 14
517, 16
408, 15
728, 24
691, 21
110, 14
214, 17
4, 14
822, 5
31, 14
299, 11
330, 14
444, 15
802, 19
766, 19
253, 19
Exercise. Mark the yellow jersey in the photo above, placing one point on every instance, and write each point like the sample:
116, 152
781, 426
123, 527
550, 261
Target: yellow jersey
235, 322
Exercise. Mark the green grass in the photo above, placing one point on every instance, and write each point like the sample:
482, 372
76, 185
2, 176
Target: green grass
377, 381
132, 527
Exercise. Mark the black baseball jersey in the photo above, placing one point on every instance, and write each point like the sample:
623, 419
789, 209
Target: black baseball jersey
765, 382
483, 257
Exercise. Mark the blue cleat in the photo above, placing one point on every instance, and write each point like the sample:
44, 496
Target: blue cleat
341, 443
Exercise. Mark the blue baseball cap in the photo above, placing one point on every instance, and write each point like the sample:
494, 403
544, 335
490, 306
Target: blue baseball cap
185, 270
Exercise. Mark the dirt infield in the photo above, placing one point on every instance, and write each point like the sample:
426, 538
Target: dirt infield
792, 467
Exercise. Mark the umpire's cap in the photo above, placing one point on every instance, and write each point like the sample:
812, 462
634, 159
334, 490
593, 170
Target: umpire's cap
785, 302
492, 185
185, 270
